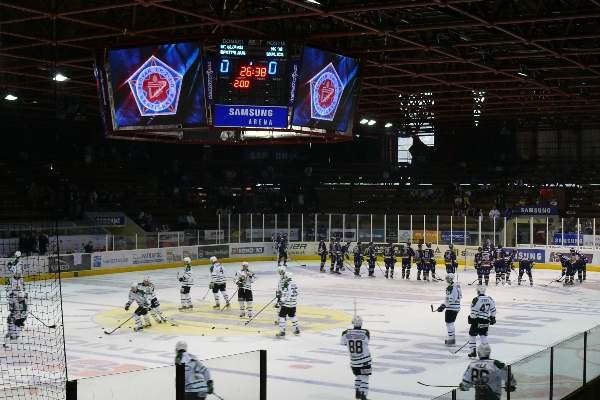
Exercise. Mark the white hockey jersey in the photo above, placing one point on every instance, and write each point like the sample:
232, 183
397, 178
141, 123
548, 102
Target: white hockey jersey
244, 279
289, 294
453, 297
17, 308
357, 341
483, 307
486, 376
186, 279
196, 374
217, 274
138, 297
148, 290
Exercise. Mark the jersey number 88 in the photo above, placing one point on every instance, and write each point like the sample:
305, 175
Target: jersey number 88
355, 346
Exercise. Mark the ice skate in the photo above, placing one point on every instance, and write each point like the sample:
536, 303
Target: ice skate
280, 334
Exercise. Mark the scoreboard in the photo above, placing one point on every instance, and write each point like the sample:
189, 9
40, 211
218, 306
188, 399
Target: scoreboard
252, 84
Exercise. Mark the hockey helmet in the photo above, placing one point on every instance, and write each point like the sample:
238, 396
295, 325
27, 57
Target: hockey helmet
450, 278
450, 246
17, 254
146, 280
187, 260
484, 351
245, 265
428, 245
572, 250
213, 259
289, 276
181, 346
133, 286
281, 271
480, 289
357, 321
479, 248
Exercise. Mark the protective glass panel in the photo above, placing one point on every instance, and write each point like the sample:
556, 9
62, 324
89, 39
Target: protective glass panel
364, 227
296, 227
446, 229
336, 225
323, 227
243, 369
350, 227
378, 228
269, 227
593, 354
532, 376
568, 366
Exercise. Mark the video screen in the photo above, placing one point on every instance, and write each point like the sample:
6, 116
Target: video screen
327, 90
156, 86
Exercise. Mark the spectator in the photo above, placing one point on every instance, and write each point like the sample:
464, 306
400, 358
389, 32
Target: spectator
494, 213
89, 247
190, 220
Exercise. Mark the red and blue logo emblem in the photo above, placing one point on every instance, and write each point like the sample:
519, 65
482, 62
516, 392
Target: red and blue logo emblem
326, 90
156, 88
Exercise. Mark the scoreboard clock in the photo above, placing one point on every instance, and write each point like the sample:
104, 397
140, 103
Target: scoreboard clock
252, 79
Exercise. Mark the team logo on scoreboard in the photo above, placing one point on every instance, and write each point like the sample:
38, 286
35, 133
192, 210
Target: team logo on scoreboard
155, 87
326, 90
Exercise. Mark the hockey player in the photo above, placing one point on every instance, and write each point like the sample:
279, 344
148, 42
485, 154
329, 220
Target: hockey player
420, 261
138, 296
343, 255
487, 376
499, 264
483, 314
525, 266
389, 258
289, 300
486, 263
186, 285
281, 271
450, 260
17, 315
322, 251
478, 266
282, 245
357, 341
358, 258
16, 282
244, 279
198, 383
567, 269
508, 265
430, 262
371, 254
148, 289
218, 283
579, 265
338, 254
452, 307
406, 255
332, 259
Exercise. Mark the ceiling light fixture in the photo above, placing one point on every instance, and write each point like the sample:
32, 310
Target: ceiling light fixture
388, 124
60, 77
364, 121
371, 122
10, 97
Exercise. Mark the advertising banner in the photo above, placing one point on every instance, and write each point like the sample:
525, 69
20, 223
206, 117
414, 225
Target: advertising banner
250, 249
456, 237
570, 239
125, 258
536, 255
70, 262
535, 210
217, 250
176, 254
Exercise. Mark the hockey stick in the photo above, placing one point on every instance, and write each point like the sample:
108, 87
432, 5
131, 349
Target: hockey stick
205, 294
460, 348
439, 386
476, 279
217, 396
555, 280
261, 310
120, 325
53, 326
232, 296
381, 269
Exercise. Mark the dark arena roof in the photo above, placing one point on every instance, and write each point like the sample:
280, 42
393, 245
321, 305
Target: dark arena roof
530, 60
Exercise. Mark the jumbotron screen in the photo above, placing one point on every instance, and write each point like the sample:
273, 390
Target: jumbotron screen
252, 81
327, 90
158, 86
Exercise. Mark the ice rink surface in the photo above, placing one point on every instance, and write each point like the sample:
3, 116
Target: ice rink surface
407, 339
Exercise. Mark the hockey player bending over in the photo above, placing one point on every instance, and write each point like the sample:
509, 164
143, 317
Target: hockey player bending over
218, 283
198, 383
452, 307
450, 260
148, 288
244, 279
358, 258
289, 300
17, 314
186, 285
483, 314
525, 266
322, 251
357, 341
371, 254
389, 258
137, 296
486, 376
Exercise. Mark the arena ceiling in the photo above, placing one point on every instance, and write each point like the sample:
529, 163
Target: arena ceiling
530, 59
